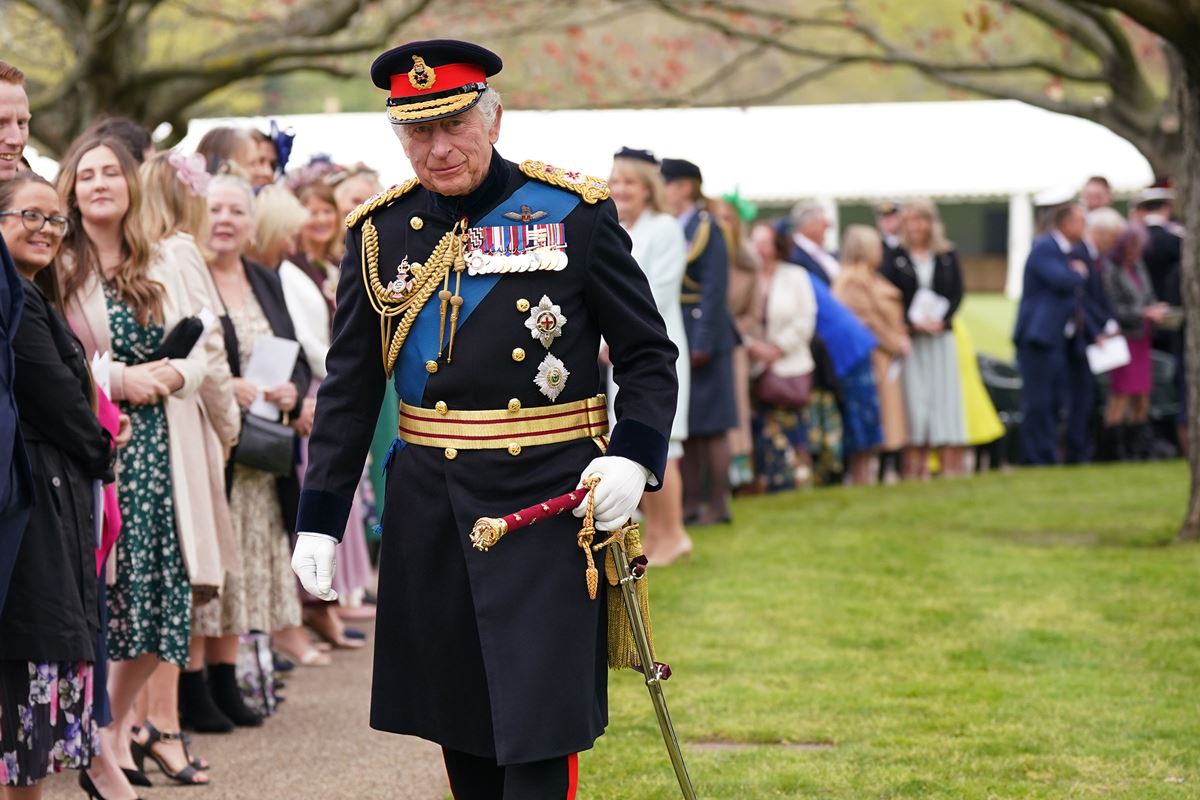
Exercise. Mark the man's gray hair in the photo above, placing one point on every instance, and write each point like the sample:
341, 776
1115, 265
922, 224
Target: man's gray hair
1106, 219
488, 106
803, 213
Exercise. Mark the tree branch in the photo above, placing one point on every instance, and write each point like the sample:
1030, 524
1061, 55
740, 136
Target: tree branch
1160, 16
890, 53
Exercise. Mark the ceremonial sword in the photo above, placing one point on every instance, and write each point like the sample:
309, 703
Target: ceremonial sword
489, 530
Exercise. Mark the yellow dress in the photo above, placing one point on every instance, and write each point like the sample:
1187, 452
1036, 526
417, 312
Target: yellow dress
983, 423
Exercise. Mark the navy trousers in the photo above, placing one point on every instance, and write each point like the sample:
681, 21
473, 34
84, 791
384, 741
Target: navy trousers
475, 778
1079, 400
1043, 370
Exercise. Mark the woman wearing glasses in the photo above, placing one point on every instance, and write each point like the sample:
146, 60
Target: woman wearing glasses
48, 628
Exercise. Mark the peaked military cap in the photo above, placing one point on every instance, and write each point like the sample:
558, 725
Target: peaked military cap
433, 79
636, 155
674, 169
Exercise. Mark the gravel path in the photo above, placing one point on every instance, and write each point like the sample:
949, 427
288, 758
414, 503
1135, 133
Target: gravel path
317, 746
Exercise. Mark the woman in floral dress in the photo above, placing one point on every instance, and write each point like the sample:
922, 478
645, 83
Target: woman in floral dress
118, 305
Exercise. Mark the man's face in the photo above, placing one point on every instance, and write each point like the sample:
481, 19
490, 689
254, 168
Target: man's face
451, 156
1072, 226
1096, 195
815, 228
14, 128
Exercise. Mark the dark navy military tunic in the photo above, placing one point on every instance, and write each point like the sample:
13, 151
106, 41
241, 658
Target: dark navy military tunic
710, 331
498, 654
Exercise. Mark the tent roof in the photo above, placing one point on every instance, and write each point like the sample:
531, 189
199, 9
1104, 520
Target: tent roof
781, 153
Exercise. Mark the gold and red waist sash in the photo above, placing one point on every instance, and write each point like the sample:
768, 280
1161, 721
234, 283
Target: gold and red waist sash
510, 429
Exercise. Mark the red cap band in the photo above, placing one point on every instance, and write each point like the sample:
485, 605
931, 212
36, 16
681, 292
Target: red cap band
446, 78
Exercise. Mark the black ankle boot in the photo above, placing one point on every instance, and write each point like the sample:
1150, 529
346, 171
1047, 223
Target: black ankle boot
222, 680
197, 711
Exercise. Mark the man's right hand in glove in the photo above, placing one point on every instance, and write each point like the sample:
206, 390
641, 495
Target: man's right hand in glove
314, 562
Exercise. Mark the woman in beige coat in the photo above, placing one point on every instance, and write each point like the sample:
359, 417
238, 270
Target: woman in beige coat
878, 305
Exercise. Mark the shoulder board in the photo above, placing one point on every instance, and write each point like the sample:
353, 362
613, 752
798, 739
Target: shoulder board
380, 200
589, 187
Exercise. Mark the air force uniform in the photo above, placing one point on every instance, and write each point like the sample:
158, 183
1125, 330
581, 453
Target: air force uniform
486, 311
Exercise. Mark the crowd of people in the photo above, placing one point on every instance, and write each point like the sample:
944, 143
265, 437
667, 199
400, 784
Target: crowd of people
176, 314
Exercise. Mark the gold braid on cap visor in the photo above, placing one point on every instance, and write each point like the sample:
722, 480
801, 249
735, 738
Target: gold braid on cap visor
414, 112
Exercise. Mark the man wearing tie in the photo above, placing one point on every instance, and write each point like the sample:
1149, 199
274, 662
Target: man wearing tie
1050, 317
15, 496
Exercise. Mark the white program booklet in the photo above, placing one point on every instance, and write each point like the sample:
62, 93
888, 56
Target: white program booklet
271, 363
927, 306
1108, 355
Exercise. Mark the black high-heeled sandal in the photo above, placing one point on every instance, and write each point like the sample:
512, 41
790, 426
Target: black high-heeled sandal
186, 776
85, 783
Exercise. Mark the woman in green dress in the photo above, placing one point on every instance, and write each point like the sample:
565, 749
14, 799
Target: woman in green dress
118, 306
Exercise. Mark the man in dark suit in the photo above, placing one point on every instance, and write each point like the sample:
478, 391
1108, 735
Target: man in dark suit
15, 479
1050, 315
482, 288
809, 226
1079, 387
712, 338
1163, 255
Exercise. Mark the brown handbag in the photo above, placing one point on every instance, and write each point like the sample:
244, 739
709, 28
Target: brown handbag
774, 389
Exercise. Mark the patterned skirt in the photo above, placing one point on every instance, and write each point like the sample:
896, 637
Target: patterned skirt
778, 434
46, 722
824, 421
862, 427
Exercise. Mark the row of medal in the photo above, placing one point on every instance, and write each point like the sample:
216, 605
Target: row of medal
504, 249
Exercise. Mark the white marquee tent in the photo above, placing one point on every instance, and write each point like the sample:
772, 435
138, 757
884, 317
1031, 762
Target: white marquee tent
779, 154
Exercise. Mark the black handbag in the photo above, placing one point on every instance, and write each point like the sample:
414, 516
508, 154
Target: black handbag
180, 341
792, 391
266, 445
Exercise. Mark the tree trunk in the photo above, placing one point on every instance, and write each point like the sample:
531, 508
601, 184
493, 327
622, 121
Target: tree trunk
1188, 204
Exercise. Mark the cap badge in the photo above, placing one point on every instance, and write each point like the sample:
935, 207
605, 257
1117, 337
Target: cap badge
421, 76
551, 377
526, 214
546, 322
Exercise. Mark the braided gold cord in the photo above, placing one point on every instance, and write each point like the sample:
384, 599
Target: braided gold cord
703, 231
415, 112
425, 282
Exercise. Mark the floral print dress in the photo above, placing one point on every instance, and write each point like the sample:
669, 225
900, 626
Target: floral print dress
46, 722
264, 597
149, 606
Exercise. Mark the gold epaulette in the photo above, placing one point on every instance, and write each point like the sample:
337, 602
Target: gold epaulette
380, 200
589, 187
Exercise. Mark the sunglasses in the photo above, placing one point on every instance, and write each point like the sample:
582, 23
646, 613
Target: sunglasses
34, 221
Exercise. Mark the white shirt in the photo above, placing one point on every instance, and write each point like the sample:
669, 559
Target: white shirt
1061, 241
827, 262
310, 315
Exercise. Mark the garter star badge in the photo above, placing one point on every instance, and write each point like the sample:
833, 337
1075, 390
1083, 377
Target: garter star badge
551, 377
421, 76
546, 322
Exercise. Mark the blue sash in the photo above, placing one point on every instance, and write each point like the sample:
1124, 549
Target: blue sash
422, 342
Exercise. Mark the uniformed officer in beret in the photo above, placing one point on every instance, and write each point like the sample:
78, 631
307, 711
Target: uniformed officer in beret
712, 339
482, 288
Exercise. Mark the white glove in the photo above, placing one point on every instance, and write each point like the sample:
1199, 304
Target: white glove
314, 561
622, 482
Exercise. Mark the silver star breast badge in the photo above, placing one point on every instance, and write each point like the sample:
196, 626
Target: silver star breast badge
545, 322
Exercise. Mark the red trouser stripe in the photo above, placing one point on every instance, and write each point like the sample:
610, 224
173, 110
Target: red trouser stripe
572, 775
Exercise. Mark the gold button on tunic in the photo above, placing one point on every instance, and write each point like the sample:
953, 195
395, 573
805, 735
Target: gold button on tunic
518, 354
522, 305
451, 454
416, 223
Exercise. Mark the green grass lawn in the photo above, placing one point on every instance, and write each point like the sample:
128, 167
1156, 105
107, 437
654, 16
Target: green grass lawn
990, 318
1022, 635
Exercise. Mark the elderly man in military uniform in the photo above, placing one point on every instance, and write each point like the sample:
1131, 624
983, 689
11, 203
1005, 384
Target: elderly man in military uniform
482, 288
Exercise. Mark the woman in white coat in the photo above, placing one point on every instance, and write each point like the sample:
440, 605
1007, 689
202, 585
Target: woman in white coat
661, 252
